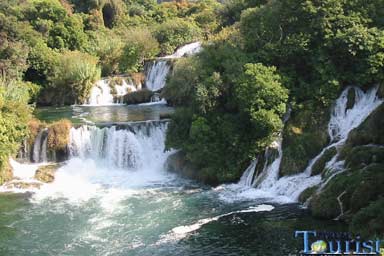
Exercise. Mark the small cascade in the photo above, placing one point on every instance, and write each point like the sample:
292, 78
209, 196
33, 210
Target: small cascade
247, 177
343, 120
270, 171
186, 50
133, 146
158, 70
106, 92
39, 151
157, 75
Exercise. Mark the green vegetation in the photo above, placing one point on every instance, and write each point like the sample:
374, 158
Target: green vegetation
61, 45
58, 135
360, 188
14, 115
233, 94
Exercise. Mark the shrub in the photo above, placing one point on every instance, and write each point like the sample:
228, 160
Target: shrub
139, 45
76, 72
58, 135
174, 33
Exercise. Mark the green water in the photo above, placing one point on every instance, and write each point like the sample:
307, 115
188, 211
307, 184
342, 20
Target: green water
135, 224
100, 114
93, 208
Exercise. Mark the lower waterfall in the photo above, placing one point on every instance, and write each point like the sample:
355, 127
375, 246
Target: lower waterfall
342, 121
135, 146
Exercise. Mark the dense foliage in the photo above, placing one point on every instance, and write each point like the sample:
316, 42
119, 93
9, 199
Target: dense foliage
36, 36
14, 115
233, 95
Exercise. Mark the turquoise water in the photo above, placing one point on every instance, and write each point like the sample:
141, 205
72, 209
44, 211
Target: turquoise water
98, 114
94, 208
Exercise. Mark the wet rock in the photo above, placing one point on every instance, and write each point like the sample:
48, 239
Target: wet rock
46, 173
18, 184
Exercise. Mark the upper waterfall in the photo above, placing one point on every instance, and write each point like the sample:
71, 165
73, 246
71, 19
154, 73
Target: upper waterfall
158, 70
186, 50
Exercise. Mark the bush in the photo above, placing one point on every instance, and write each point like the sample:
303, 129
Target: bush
139, 45
76, 72
138, 97
174, 33
14, 115
58, 135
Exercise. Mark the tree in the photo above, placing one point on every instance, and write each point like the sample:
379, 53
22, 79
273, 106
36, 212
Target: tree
76, 72
139, 45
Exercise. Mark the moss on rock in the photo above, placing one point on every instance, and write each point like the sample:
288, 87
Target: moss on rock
179, 164
58, 135
319, 165
369, 220
370, 131
351, 98
46, 173
306, 194
138, 97
305, 135
360, 187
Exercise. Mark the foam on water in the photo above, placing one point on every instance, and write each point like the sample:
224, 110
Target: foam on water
288, 188
181, 232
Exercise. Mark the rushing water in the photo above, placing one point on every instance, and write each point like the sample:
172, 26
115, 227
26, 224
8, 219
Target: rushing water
114, 197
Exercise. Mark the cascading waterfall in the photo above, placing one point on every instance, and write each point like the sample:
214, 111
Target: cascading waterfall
133, 147
103, 93
186, 50
39, 151
247, 177
342, 121
157, 75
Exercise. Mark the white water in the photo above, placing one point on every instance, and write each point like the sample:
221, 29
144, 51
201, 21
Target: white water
181, 232
137, 146
247, 177
101, 93
110, 160
186, 50
157, 75
39, 150
342, 121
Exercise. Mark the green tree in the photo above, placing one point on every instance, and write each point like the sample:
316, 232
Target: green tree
14, 115
139, 45
76, 72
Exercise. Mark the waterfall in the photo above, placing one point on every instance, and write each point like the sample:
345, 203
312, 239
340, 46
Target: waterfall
247, 177
106, 93
186, 50
342, 121
133, 146
270, 171
157, 75
158, 70
39, 151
